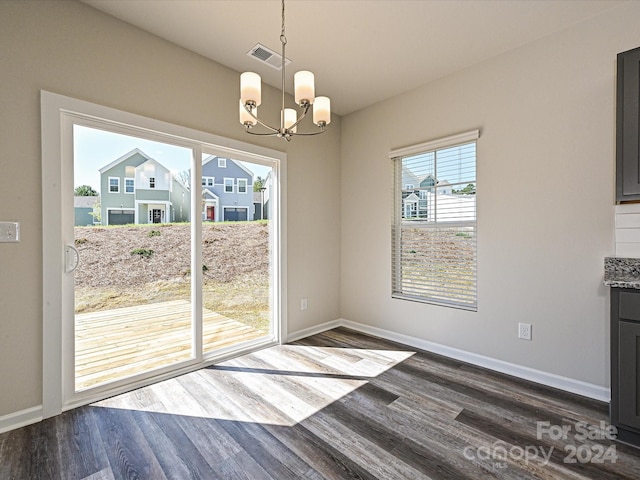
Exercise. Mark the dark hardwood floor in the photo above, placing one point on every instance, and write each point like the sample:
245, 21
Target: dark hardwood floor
335, 405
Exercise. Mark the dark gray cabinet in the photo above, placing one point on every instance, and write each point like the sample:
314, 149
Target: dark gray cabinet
625, 364
628, 126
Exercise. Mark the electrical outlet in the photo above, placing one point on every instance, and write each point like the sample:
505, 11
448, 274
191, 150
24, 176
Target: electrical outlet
524, 331
303, 304
9, 231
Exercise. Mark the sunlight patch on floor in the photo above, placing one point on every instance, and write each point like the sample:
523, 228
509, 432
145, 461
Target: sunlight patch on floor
280, 385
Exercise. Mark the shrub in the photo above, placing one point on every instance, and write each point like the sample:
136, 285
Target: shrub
143, 252
153, 233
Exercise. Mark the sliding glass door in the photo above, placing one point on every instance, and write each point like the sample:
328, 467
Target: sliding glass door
170, 249
132, 243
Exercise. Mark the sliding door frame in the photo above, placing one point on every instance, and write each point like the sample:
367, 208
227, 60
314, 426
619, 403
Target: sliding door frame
59, 114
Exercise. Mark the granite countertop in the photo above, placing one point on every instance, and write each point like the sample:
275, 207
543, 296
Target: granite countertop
622, 272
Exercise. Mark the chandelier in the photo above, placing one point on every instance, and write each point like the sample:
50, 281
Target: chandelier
250, 99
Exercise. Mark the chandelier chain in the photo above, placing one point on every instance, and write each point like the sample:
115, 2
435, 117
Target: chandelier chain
283, 37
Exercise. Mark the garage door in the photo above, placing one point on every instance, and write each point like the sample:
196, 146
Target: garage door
121, 217
235, 214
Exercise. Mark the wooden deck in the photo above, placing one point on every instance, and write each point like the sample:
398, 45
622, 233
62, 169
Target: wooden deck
115, 344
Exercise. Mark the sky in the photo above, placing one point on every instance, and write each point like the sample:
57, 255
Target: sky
93, 149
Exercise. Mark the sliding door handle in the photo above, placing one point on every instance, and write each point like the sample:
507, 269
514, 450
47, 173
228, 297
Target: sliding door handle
71, 258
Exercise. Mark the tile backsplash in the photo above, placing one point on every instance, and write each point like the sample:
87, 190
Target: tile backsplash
628, 230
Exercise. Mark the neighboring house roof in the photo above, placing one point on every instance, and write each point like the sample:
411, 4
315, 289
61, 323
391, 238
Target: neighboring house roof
425, 178
141, 167
206, 193
85, 202
212, 157
179, 181
123, 158
413, 198
408, 176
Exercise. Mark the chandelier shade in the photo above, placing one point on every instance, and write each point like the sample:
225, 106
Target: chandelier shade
304, 95
250, 88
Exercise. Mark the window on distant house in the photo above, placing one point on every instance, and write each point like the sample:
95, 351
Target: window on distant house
242, 185
208, 181
228, 185
114, 185
128, 185
222, 162
434, 232
152, 182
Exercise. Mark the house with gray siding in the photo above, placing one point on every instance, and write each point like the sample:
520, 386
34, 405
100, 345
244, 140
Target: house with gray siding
135, 188
82, 210
227, 190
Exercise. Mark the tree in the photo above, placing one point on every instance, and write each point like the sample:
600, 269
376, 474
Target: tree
470, 189
85, 191
258, 184
184, 177
97, 212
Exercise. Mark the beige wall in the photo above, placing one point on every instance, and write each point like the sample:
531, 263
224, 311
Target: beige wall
72, 49
545, 199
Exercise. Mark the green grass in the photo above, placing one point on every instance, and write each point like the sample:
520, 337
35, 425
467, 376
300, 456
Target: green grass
143, 252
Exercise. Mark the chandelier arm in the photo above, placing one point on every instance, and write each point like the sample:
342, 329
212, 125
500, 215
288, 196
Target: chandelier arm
308, 134
248, 109
304, 113
261, 133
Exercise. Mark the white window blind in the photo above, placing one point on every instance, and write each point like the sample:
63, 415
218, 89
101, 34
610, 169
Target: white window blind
434, 255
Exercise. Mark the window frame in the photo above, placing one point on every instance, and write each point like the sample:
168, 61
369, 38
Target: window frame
222, 162
224, 184
133, 186
404, 286
152, 183
205, 180
117, 185
246, 185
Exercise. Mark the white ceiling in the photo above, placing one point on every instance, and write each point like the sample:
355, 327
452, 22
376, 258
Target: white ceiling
361, 52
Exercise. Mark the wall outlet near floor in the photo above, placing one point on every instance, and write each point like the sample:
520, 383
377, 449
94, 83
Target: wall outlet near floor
9, 232
524, 331
303, 304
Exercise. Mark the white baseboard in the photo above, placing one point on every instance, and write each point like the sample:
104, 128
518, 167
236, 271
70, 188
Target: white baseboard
307, 332
550, 379
21, 418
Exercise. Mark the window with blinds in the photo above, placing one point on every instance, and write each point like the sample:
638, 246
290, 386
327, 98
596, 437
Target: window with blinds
434, 255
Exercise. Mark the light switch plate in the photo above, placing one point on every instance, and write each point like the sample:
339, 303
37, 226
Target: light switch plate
9, 232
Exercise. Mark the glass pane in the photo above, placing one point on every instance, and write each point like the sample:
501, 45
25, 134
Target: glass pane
438, 263
455, 205
236, 254
132, 231
434, 231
